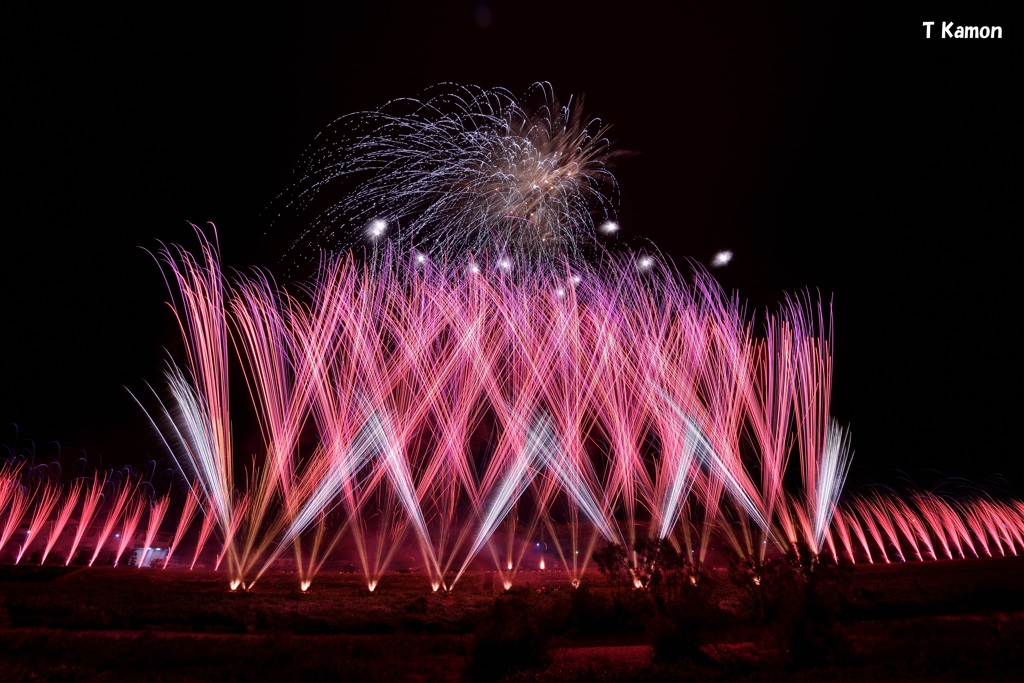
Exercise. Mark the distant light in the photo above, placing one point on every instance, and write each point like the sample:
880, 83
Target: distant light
474, 269
559, 292
610, 227
722, 258
645, 263
421, 258
377, 228
576, 279
505, 264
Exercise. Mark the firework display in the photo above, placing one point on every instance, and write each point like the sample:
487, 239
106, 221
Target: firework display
469, 412
480, 376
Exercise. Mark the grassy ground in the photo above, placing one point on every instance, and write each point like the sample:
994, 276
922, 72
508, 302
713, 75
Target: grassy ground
919, 621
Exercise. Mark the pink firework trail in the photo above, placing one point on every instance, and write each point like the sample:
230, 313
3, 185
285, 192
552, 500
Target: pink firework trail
91, 499
47, 495
18, 496
205, 529
926, 526
157, 510
67, 506
133, 512
188, 512
123, 493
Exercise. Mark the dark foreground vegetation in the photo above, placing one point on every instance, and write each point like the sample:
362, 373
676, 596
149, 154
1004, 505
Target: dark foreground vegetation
947, 621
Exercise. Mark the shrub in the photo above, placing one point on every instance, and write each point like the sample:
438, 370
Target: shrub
513, 635
801, 600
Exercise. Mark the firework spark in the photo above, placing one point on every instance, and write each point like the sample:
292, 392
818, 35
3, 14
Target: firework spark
722, 258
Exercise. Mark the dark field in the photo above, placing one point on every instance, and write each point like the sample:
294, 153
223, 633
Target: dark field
947, 621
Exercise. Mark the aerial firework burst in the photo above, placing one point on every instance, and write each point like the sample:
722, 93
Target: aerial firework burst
465, 169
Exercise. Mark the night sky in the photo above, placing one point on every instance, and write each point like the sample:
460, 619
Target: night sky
834, 149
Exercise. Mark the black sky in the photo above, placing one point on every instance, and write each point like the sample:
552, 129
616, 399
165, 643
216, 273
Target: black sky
830, 148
